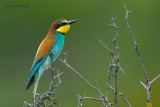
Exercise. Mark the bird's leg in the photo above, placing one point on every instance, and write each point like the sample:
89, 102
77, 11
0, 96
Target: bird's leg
51, 67
51, 54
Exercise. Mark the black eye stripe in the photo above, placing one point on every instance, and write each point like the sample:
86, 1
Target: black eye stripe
64, 23
60, 24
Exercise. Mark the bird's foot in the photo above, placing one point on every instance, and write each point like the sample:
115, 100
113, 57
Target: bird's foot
51, 54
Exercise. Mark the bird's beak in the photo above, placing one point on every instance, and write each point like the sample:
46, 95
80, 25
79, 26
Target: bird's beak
72, 21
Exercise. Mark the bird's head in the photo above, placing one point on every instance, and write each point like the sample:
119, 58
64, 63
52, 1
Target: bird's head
61, 25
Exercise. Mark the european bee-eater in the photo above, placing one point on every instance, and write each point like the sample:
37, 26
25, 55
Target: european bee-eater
52, 44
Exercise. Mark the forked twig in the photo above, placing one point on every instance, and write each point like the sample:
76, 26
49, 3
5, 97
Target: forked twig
148, 83
86, 81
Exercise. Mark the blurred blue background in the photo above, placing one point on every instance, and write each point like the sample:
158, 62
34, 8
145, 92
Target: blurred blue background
24, 24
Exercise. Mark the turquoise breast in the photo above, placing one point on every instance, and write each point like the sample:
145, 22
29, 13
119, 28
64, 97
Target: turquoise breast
56, 49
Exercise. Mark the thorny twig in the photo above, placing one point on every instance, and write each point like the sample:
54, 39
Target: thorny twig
105, 99
115, 65
117, 61
125, 99
111, 64
148, 83
121, 95
111, 87
114, 62
80, 99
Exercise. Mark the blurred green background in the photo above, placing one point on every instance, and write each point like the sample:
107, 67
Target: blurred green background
23, 28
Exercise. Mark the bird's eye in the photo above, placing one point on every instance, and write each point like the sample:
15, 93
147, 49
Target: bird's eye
61, 24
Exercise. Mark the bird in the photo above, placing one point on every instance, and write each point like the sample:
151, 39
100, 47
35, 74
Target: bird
52, 44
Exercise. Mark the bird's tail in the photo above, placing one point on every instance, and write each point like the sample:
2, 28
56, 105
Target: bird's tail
34, 91
37, 77
32, 77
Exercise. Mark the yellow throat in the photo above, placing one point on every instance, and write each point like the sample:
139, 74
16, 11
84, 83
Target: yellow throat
64, 29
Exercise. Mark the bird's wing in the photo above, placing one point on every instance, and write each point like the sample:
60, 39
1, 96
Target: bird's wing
41, 54
44, 48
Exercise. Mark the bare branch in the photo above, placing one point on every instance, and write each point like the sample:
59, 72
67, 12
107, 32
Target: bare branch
121, 95
154, 79
143, 84
111, 87
148, 84
86, 81
111, 74
59, 80
26, 104
122, 69
81, 77
97, 85
79, 99
105, 46
125, 99
115, 65
58, 75
92, 98
117, 61
136, 45
111, 67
